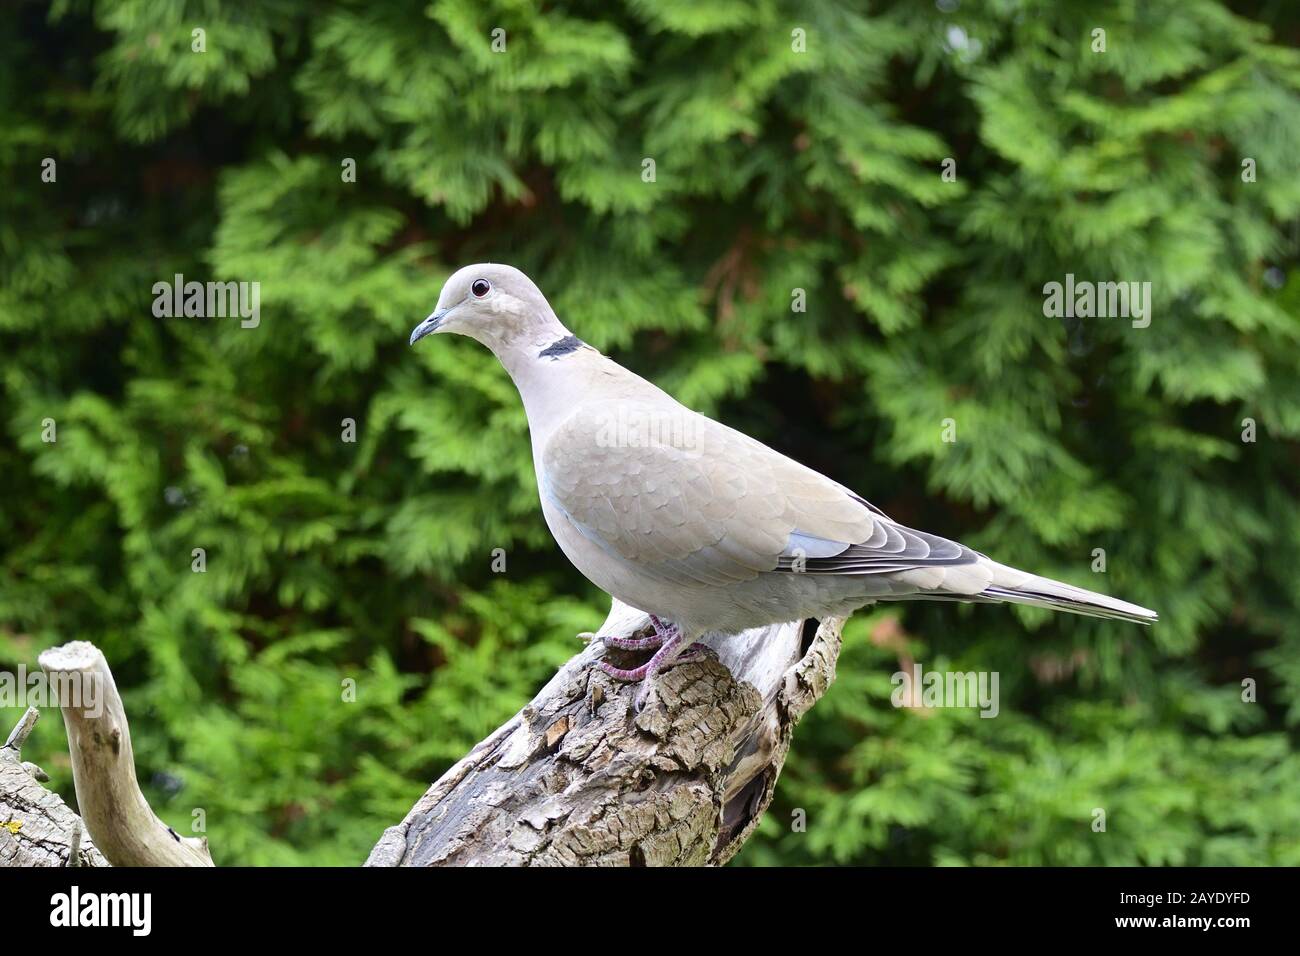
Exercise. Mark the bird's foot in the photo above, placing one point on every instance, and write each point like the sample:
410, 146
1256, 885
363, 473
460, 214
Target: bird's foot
626, 674
668, 642
663, 632
653, 642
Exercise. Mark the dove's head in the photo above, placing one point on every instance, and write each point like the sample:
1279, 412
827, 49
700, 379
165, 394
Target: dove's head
496, 304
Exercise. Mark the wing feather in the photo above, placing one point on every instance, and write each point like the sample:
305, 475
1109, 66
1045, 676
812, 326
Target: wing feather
721, 508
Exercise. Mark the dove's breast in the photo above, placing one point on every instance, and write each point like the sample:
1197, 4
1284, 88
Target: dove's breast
608, 572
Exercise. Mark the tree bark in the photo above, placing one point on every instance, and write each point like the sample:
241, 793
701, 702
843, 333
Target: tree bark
36, 827
576, 778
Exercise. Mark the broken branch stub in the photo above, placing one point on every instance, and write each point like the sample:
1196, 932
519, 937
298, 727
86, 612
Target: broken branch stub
116, 813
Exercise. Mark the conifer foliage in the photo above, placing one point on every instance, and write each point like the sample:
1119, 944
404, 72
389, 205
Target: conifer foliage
315, 557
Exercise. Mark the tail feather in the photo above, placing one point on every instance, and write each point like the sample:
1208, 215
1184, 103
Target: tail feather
1059, 596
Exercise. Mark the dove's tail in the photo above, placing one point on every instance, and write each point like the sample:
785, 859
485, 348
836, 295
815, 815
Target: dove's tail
1044, 592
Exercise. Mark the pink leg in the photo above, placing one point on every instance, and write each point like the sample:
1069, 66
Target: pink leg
631, 674
653, 642
662, 633
668, 642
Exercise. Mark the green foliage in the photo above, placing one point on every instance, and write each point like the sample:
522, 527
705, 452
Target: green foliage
776, 170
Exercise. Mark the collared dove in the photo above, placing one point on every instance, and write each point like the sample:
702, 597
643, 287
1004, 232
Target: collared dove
702, 527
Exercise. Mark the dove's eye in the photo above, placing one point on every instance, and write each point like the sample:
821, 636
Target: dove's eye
481, 287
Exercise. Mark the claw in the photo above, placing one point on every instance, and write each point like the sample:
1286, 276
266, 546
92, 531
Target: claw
654, 641
663, 632
667, 642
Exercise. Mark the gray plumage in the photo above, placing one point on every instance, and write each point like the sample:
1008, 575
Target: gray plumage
684, 518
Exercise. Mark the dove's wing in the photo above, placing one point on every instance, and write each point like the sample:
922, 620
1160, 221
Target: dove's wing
696, 502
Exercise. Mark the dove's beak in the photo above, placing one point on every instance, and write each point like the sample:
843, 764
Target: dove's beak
428, 325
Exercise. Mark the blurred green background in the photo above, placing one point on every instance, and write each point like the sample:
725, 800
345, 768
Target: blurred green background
776, 170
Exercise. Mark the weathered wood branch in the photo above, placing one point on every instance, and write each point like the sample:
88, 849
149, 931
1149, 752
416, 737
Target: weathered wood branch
36, 827
576, 778
116, 814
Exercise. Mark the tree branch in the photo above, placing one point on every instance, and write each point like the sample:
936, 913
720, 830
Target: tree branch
575, 778
117, 815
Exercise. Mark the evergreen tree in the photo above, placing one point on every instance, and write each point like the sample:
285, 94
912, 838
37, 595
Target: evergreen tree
828, 224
